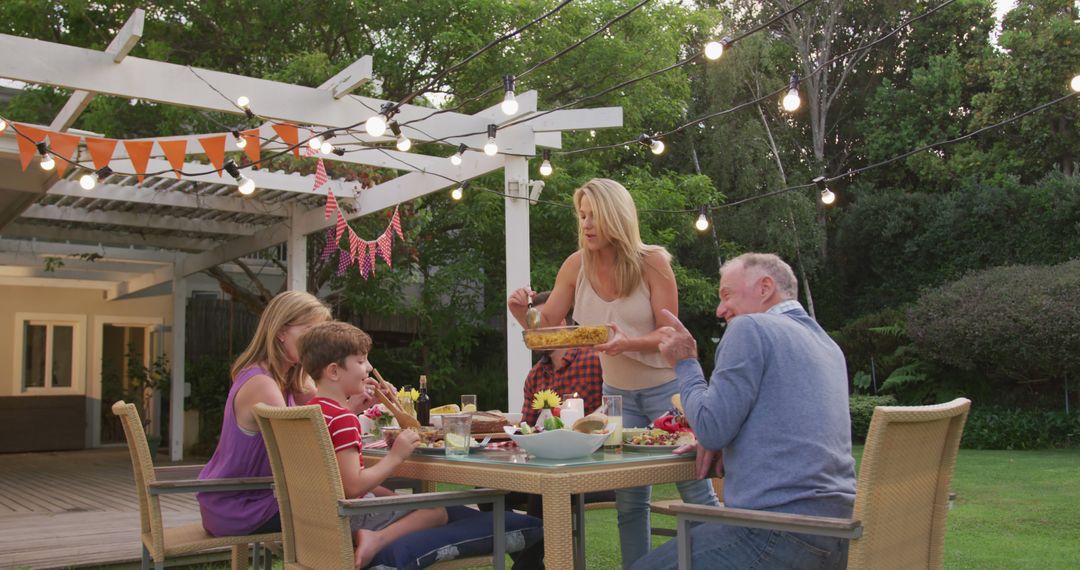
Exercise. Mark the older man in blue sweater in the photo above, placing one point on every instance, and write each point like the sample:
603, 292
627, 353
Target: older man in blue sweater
777, 406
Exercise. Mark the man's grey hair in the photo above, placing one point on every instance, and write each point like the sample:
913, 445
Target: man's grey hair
771, 265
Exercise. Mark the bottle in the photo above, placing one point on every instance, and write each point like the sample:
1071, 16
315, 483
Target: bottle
423, 404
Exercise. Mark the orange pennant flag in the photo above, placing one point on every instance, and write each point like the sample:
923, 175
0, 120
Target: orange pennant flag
175, 152
64, 146
139, 153
27, 148
101, 150
215, 150
252, 147
290, 135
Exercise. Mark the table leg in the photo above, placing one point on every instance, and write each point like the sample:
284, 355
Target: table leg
579, 530
558, 522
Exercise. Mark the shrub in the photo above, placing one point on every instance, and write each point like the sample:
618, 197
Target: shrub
1010, 325
1002, 428
862, 410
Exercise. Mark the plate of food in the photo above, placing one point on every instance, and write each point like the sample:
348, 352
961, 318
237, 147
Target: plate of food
549, 338
655, 441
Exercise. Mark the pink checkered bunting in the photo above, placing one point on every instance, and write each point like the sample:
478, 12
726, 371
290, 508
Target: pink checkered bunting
320, 175
344, 261
330, 246
395, 223
372, 246
364, 263
386, 243
331, 205
353, 243
342, 226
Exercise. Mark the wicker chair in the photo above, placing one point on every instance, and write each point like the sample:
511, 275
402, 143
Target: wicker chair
160, 542
902, 498
314, 511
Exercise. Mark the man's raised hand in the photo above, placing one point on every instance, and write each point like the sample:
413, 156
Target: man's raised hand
676, 343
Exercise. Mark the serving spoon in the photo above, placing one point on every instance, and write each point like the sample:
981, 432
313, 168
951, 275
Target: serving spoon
532, 316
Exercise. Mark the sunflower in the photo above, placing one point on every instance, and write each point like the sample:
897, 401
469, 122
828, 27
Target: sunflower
414, 394
546, 399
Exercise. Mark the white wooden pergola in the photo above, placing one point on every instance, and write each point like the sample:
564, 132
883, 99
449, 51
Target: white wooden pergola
161, 232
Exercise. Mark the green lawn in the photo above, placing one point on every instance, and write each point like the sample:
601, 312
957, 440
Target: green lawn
1014, 509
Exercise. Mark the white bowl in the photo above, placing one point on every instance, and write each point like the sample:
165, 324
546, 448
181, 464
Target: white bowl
560, 443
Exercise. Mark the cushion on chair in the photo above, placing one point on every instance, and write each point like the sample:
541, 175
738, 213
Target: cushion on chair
466, 533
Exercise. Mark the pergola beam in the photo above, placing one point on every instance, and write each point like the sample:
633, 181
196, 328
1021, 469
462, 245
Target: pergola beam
348, 79
136, 220
108, 253
90, 236
126, 39
155, 197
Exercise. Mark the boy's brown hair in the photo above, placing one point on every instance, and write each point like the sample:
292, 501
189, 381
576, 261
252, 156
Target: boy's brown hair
328, 343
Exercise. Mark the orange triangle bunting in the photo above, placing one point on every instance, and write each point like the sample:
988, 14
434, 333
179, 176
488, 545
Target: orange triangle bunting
64, 146
215, 150
101, 150
139, 153
175, 152
27, 148
290, 135
252, 148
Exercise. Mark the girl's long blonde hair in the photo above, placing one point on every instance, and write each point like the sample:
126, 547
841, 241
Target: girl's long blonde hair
286, 309
615, 216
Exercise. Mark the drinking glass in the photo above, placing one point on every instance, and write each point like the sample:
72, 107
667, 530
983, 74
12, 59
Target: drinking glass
468, 402
612, 406
457, 434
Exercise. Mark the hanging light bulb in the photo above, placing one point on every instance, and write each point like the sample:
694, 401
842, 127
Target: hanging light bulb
244, 184
457, 193
47, 162
241, 142
316, 142
827, 196
89, 180
326, 147
376, 124
3, 125
715, 48
702, 222
545, 167
509, 104
245, 105
492, 147
791, 100
1075, 84
654, 144
455, 158
403, 142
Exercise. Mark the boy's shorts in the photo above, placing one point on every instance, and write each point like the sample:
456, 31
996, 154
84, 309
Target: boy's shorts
375, 521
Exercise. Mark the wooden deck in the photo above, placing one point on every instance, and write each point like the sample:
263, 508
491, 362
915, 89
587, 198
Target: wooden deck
74, 509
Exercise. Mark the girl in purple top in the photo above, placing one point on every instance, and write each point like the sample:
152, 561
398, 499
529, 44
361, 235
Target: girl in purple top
268, 372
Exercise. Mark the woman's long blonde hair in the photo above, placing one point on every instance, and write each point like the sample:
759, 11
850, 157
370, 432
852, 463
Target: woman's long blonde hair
616, 219
288, 308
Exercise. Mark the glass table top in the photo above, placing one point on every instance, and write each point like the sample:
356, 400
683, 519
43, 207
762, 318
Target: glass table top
520, 457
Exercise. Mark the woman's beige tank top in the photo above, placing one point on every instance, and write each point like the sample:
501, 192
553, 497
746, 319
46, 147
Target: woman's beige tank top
634, 317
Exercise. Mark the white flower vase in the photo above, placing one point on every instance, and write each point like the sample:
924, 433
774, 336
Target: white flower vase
544, 414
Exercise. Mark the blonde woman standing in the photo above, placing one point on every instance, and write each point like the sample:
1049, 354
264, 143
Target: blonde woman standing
613, 278
267, 372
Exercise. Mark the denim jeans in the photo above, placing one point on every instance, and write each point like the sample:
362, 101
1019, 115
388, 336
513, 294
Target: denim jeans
721, 547
640, 408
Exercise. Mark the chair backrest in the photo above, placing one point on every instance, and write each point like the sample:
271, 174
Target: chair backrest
307, 484
142, 465
903, 491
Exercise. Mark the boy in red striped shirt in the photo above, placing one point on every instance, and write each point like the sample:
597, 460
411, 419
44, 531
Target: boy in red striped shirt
335, 354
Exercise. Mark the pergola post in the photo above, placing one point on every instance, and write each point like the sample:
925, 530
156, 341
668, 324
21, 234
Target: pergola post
177, 387
296, 252
518, 357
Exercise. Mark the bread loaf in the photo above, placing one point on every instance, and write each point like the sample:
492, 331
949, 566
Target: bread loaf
488, 422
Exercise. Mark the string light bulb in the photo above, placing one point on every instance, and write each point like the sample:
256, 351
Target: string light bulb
326, 147
316, 142
792, 101
702, 222
47, 162
3, 125
89, 180
655, 145
715, 49
509, 104
455, 158
245, 105
827, 196
241, 142
491, 148
376, 124
545, 167
244, 184
457, 193
403, 142
1075, 84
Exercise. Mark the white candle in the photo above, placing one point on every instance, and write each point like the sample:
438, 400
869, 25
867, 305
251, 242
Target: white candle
575, 404
571, 415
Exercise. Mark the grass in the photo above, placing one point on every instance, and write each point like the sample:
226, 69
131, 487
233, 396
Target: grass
1014, 509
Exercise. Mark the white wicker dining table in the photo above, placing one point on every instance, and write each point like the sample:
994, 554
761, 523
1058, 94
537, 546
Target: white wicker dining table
560, 483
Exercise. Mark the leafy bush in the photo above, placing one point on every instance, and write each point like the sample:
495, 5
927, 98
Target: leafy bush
862, 410
1015, 326
1001, 428
210, 383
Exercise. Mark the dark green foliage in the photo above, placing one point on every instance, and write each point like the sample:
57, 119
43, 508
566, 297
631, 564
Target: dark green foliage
210, 383
862, 410
1003, 428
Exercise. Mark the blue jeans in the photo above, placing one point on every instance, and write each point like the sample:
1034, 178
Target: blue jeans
640, 408
717, 546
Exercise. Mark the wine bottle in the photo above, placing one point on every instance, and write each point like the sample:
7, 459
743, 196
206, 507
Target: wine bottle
423, 404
